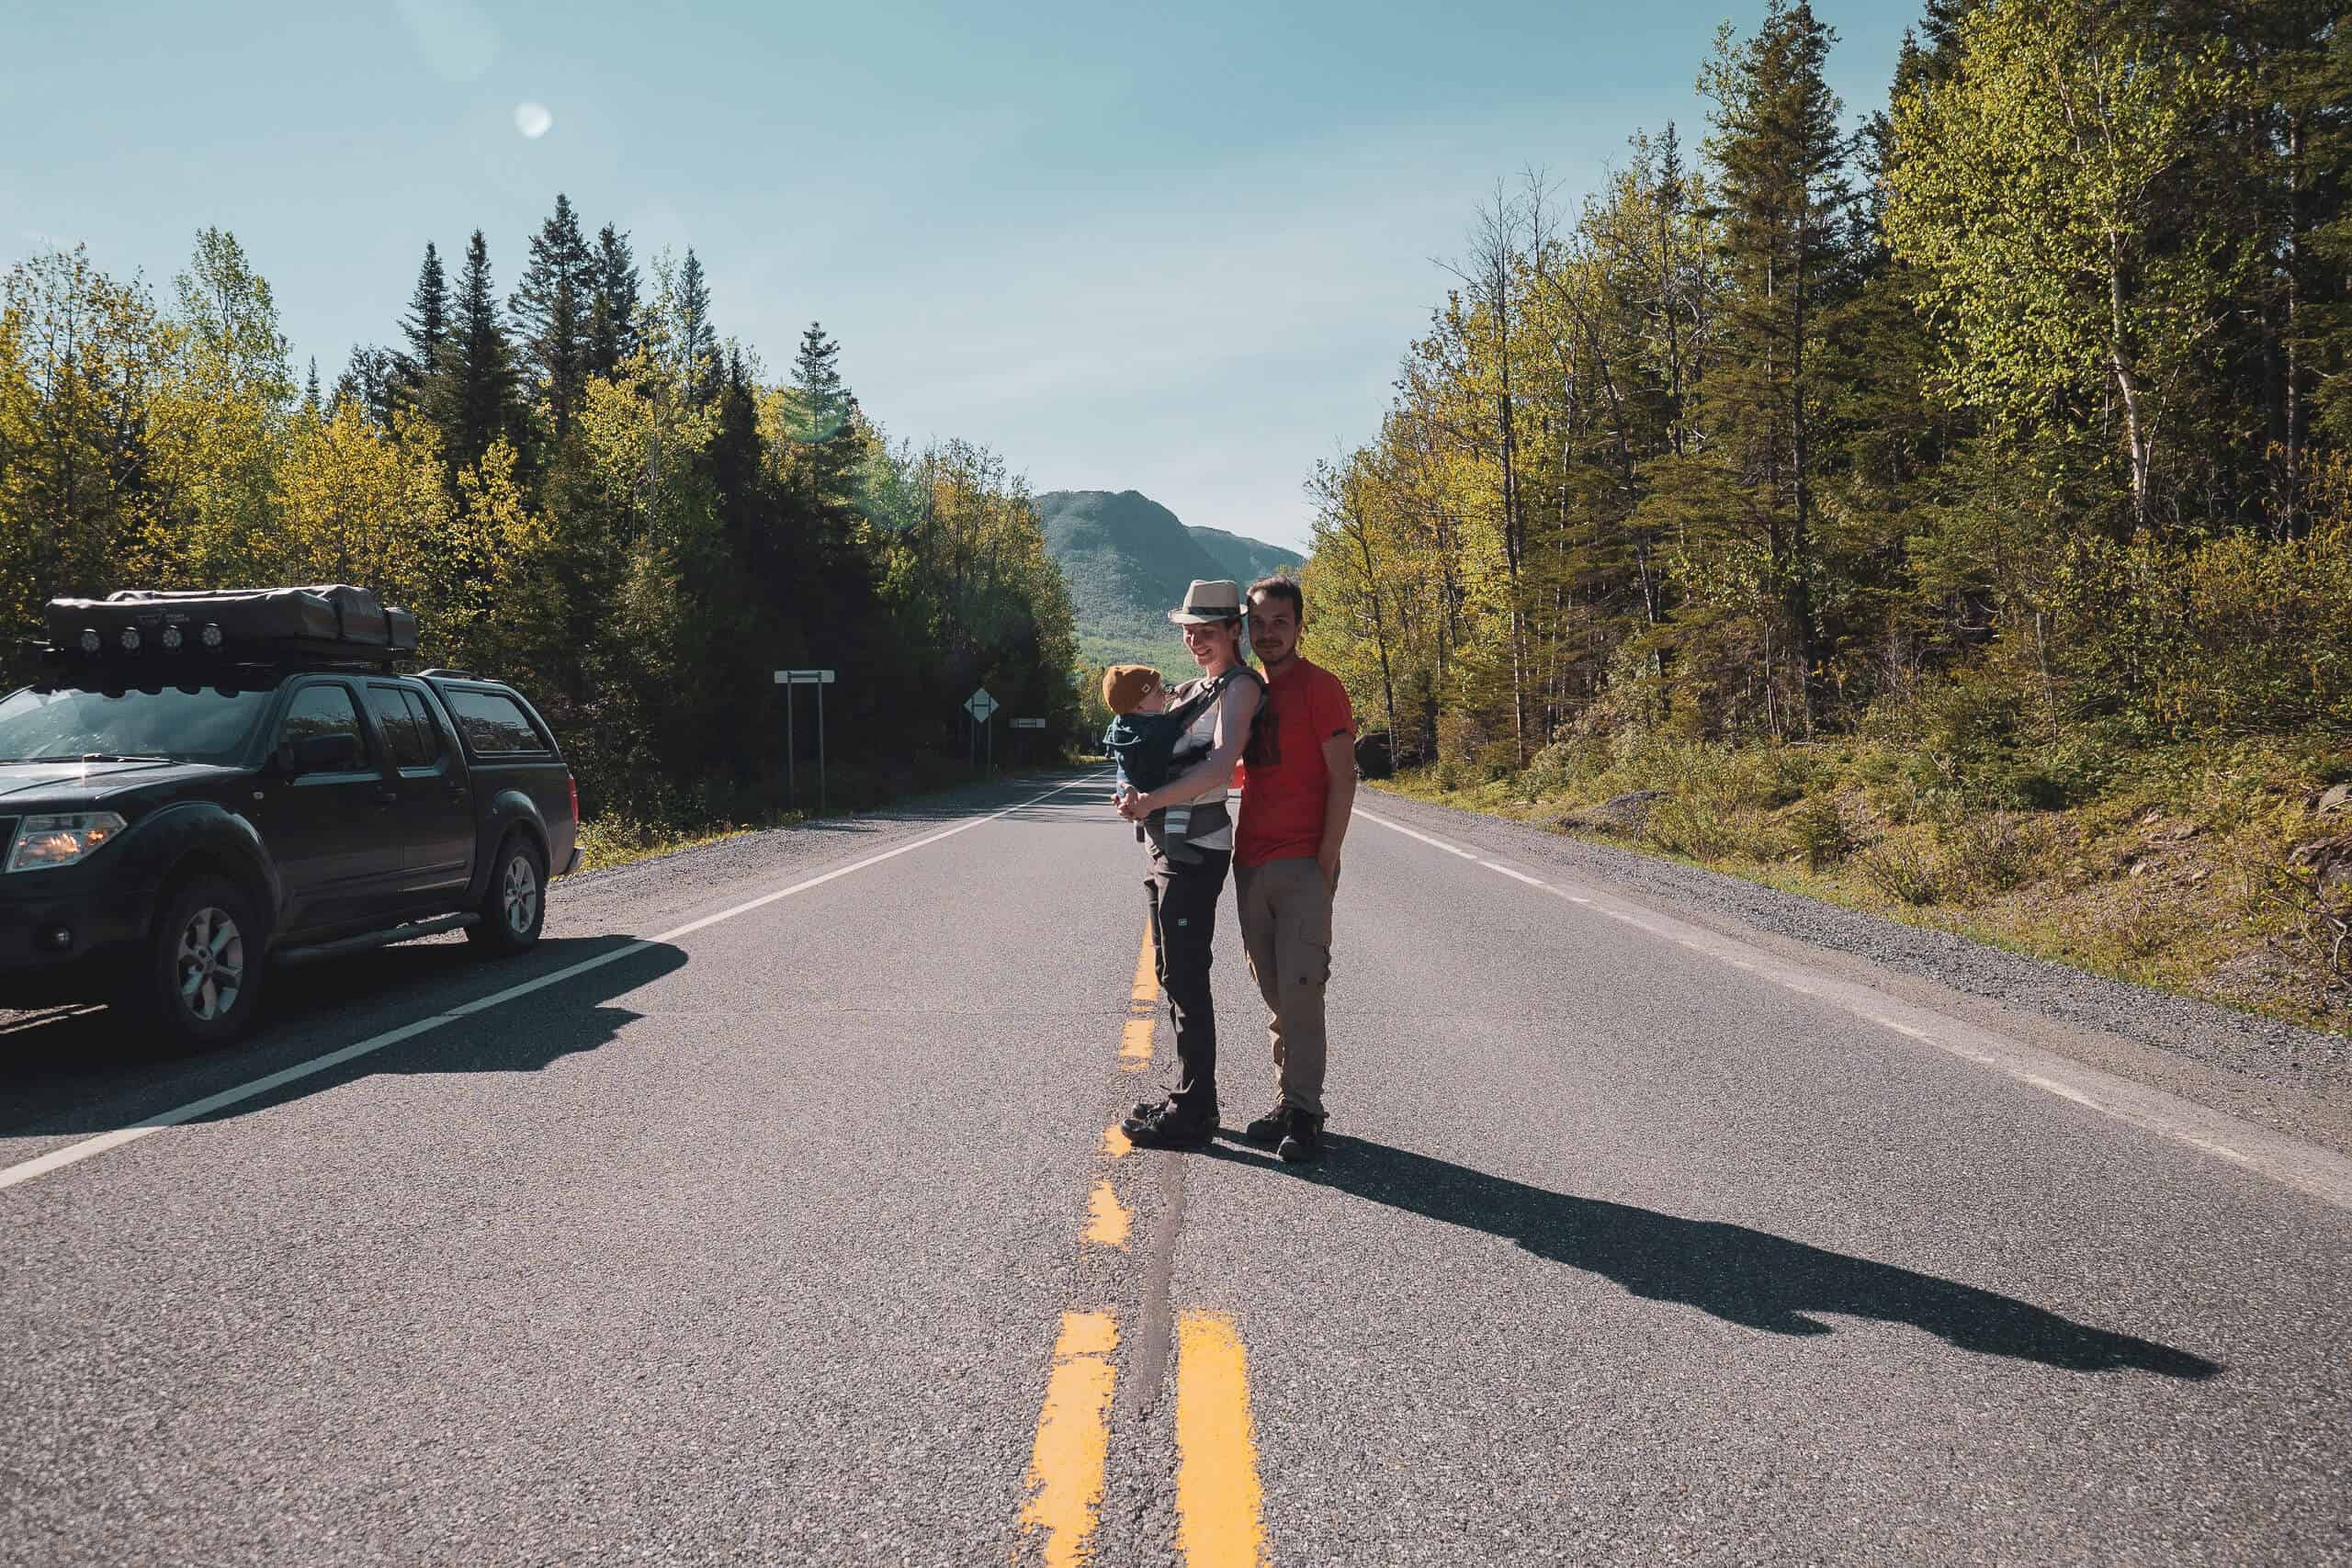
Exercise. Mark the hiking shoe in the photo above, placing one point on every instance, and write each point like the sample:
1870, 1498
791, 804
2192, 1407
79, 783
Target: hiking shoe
1143, 1112
1171, 1126
1268, 1130
1302, 1140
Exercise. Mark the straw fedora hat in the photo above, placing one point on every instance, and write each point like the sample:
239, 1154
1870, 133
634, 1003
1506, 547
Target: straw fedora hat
1209, 600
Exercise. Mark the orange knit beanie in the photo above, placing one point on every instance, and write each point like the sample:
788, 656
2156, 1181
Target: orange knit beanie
1125, 687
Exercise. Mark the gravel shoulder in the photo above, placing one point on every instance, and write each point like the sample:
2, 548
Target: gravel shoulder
2279, 1076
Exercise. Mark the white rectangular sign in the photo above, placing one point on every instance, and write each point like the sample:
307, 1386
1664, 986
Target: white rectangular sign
804, 677
1028, 724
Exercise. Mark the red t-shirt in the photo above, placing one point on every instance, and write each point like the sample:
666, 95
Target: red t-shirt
1283, 778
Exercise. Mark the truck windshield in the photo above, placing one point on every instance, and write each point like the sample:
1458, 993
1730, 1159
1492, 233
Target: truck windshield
209, 724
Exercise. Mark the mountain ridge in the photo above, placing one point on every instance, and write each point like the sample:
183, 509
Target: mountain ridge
1128, 559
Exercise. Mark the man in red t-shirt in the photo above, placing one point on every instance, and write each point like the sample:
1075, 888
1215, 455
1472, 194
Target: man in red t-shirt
1297, 781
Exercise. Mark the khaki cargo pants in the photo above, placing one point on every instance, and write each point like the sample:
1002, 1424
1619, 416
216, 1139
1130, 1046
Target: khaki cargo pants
1286, 932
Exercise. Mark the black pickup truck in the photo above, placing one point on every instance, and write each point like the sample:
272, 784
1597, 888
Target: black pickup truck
170, 827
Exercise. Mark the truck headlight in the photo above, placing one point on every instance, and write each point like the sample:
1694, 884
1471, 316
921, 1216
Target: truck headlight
42, 842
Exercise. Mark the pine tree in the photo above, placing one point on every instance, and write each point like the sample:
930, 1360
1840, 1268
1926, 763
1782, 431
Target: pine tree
472, 393
829, 446
370, 380
697, 343
612, 313
734, 452
553, 309
1781, 164
312, 403
816, 377
425, 326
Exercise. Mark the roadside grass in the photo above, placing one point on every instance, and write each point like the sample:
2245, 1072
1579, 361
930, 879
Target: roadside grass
2175, 869
618, 838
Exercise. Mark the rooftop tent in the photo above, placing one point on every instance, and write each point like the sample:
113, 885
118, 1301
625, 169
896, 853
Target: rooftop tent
332, 621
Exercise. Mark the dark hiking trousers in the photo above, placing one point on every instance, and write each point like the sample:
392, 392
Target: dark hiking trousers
1181, 897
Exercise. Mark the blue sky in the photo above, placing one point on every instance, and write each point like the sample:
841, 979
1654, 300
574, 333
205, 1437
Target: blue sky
1177, 250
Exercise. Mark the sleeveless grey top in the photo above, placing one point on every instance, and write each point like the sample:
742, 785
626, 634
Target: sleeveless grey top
1200, 739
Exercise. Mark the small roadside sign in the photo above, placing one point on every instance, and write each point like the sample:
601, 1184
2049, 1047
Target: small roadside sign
1028, 724
787, 679
979, 705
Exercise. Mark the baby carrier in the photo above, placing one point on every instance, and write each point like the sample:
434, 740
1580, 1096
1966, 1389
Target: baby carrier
1151, 748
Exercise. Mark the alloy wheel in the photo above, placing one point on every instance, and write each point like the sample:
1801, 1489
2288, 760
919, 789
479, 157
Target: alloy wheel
521, 895
210, 964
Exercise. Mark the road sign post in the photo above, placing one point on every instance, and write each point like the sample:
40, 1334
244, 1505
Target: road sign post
979, 705
788, 679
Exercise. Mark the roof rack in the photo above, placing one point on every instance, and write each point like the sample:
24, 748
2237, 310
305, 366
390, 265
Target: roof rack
332, 623
451, 674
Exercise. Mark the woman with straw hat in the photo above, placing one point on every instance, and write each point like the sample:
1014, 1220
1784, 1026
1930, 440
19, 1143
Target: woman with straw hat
1182, 896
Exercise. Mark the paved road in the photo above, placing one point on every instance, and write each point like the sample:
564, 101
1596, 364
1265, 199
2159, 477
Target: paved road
747, 1228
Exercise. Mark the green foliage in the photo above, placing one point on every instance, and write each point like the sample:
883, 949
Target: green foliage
472, 391
638, 532
2008, 435
1991, 853
1902, 869
551, 314
2041, 207
1818, 830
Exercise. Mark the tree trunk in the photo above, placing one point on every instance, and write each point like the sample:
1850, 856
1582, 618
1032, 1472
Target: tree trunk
2127, 385
1362, 533
1800, 536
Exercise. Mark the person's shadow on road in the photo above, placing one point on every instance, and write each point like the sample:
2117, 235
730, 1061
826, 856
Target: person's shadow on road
1740, 1275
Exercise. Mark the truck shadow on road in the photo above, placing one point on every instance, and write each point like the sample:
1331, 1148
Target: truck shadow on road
83, 1073
1733, 1273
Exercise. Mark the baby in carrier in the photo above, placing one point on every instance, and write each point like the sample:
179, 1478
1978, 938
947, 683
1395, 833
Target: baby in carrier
1143, 740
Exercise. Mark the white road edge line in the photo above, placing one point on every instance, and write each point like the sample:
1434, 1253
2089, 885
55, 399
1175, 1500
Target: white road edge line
2321, 1173
73, 1154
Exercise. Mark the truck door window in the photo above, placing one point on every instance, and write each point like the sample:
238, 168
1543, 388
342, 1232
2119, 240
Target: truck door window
323, 710
428, 729
493, 723
398, 724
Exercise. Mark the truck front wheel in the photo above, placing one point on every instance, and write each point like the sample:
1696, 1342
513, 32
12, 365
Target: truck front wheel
200, 982
514, 906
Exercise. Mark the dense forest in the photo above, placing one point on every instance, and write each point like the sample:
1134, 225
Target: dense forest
581, 487
2012, 420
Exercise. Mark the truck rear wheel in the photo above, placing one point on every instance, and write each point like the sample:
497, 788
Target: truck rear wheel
200, 982
514, 906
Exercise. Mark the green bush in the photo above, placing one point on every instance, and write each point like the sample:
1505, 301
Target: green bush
1691, 827
1819, 830
1901, 869
1990, 854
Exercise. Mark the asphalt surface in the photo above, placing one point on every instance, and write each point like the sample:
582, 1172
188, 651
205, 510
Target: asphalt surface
1640, 1241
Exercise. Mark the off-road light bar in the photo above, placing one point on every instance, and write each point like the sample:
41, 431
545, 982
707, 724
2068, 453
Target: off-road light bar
172, 638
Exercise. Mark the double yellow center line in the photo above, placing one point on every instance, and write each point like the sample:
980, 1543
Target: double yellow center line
1220, 1512
1073, 1439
